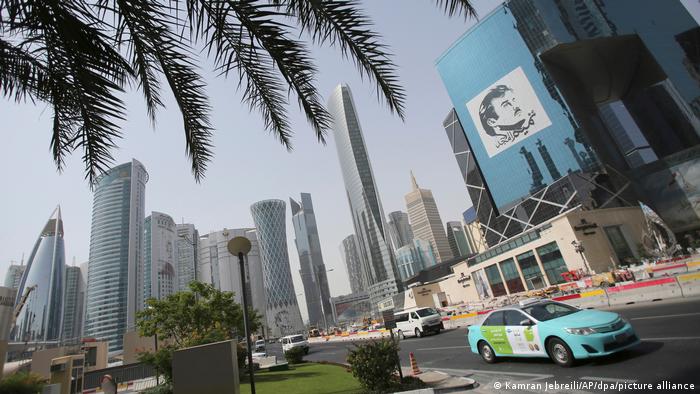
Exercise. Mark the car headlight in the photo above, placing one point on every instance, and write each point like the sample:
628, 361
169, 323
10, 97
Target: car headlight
581, 331
624, 321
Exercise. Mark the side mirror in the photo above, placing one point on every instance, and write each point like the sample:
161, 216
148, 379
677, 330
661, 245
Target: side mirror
527, 322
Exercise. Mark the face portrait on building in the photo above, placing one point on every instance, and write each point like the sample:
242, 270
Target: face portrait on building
507, 112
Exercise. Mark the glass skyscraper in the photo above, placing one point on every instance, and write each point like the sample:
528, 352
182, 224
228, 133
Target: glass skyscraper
353, 264
425, 220
40, 319
115, 267
13, 277
283, 316
377, 258
73, 305
160, 259
399, 228
313, 270
187, 255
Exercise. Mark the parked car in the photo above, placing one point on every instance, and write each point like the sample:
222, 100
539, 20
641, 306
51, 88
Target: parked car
545, 328
418, 322
260, 346
292, 341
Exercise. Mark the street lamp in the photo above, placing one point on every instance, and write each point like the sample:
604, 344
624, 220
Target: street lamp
240, 246
578, 247
320, 296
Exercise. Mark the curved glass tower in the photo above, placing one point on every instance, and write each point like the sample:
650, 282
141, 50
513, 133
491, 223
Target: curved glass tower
115, 269
283, 316
41, 316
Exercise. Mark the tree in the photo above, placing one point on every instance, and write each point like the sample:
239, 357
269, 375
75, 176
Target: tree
79, 56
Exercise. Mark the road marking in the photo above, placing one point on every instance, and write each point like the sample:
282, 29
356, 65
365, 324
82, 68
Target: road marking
670, 339
532, 376
443, 348
662, 316
598, 378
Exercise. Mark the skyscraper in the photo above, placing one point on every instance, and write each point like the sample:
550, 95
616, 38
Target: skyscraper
283, 316
399, 228
13, 277
377, 259
458, 239
40, 319
353, 264
414, 257
73, 305
115, 269
160, 259
425, 220
187, 254
313, 270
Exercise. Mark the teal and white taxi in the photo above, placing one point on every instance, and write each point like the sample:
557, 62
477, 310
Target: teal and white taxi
545, 328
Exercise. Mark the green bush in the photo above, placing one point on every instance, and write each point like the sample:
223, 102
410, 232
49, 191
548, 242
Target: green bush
161, 361
295, 355
241, 355
165, 388
375, 365
22, 383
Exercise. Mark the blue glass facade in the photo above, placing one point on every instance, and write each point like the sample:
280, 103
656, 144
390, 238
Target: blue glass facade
522, 136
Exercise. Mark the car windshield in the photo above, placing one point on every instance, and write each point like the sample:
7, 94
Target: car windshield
549, 310
426, 312
297, 339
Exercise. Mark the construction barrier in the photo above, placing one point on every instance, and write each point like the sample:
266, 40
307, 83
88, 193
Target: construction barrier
690, 284
669, 269
594, 298
651, 290
693, 266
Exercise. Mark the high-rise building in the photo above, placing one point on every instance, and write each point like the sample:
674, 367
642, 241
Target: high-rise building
415, 257
160, 259
283, 316
313, 270
399, 228
377, 258
187, 255
13, 277
218, 267
353, 264
115, 269
601, 139
457, 238
73, 305
40, 319
425, 220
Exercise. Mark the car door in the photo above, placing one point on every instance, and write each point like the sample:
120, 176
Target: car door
522, 333
493, 329
415, 322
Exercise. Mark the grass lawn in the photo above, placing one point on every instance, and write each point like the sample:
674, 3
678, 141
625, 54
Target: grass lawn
303, 378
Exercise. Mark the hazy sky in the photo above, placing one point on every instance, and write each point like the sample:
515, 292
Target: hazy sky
249, 164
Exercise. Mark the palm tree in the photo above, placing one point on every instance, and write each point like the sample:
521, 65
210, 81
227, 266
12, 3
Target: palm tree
79, 56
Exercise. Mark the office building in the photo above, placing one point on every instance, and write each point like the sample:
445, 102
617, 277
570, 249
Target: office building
313, 270
399, 228
377, 260
187, 255
351, 309
73, 305
353, 264
13, 277
425, 220
40, 318
415, 257
283, 315
457, 239
160, 259
115, 269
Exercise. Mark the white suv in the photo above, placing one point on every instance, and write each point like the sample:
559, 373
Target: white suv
418, 322
292, 341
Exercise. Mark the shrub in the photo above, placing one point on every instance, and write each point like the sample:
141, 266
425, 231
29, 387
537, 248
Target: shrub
241, 355
375, 365
22, 383
160, 389
295, 355
161, 361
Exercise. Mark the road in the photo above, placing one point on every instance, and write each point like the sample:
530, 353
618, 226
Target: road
670, 351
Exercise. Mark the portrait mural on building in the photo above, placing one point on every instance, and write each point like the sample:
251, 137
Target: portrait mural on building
507, 112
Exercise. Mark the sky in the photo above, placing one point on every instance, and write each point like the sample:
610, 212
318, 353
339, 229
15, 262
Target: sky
249, 164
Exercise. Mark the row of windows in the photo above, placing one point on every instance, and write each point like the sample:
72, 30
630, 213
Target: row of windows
507, 246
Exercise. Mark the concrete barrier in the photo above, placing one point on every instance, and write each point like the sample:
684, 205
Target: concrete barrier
593, 298
669, 269
690, 284
693, 266
651, 290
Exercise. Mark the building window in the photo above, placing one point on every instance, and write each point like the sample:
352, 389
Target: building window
495, 280
531, 271
511, 276
619, 244
553, 262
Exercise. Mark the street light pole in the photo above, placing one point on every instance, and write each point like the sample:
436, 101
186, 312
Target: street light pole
578, 247
240, 246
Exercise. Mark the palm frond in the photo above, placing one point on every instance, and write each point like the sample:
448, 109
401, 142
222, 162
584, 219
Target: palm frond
21, 74
457, 7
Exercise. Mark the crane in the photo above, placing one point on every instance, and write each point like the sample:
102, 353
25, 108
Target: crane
20, 304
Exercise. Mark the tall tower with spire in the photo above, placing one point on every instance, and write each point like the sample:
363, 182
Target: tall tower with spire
425, 220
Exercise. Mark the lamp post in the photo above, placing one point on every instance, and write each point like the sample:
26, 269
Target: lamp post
240, 246
578, 247
320, 297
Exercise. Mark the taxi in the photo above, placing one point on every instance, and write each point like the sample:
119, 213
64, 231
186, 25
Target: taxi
546, 328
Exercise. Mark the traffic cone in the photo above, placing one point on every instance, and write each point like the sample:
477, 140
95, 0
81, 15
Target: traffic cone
414, 365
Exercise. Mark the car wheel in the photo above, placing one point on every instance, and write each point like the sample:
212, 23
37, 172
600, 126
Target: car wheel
400, 335
560, 353
486, 352
418, 333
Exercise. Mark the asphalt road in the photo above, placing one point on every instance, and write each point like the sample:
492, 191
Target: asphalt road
670, 351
